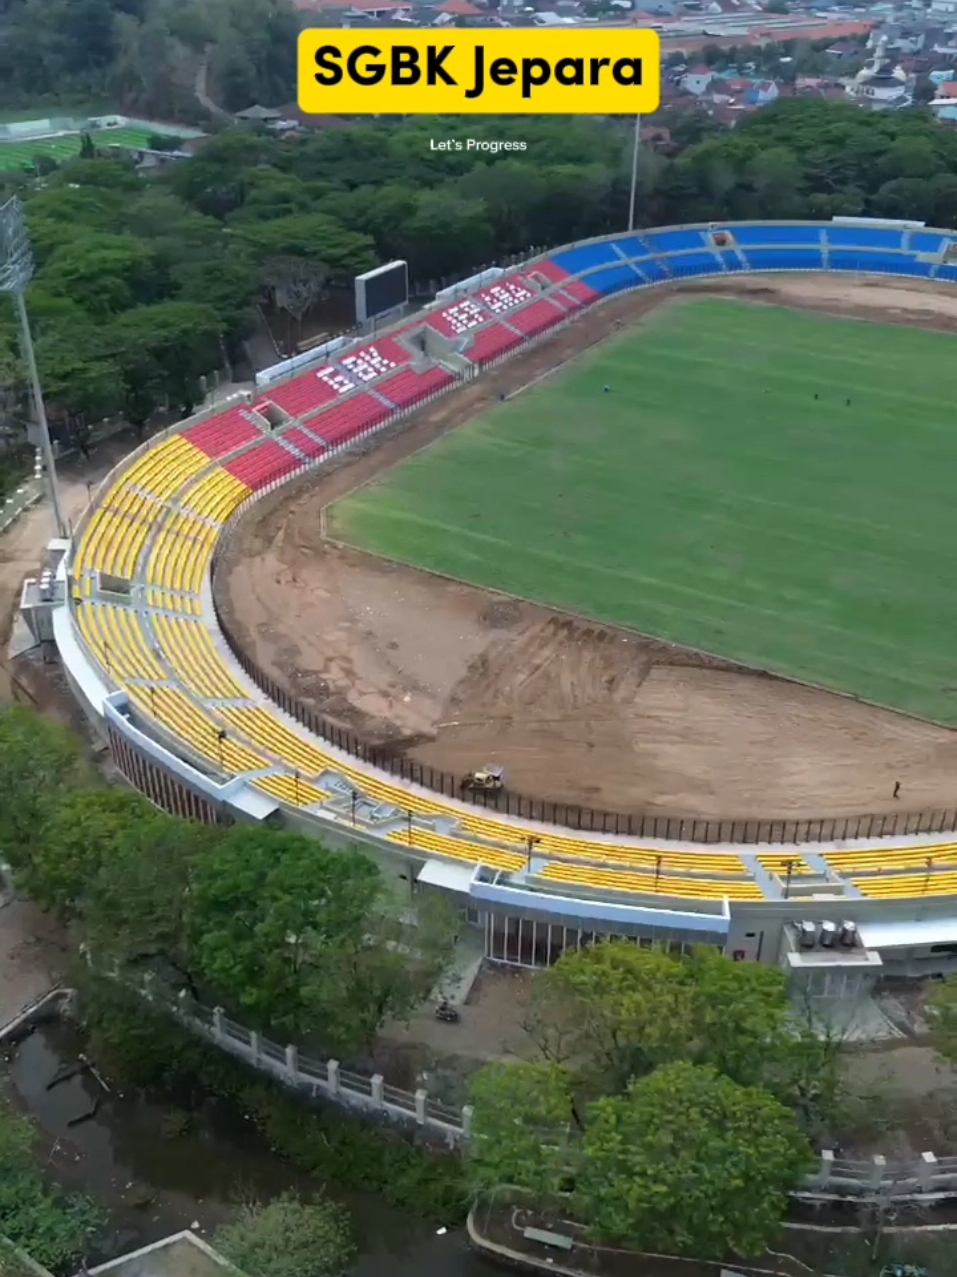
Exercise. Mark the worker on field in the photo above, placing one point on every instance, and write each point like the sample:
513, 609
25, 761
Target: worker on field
897, 789
607, 390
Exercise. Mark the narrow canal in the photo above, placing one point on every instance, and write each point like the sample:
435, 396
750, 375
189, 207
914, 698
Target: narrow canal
159, 1171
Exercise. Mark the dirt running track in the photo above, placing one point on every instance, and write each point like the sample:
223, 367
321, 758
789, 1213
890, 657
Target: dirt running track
577, 712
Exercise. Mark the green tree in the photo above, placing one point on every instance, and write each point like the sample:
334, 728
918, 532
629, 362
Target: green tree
137, 904
40, 766
941, 1011
289, 1238
182, 339
53, 1227
616, 1010
525, 1134
313, 237
104, 274
274, 915
687, 1162
89, 830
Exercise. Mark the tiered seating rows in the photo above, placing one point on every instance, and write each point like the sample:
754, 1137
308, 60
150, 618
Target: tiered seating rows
375, 360
338, 425
650, 884
194, 659
310, 391
163, 470
306, 444
460, 317
877, 860
505, 295
908, 885
216, 496
408, 387
261, 465
538, 316
491, 342
223, 434
182, 548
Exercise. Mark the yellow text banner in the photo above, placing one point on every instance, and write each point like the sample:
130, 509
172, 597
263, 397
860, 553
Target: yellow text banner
572, 71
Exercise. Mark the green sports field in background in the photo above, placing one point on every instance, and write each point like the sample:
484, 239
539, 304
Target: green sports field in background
723, 494
21, 154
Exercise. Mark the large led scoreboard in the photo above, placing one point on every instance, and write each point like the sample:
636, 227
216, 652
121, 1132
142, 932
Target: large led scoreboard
381, 291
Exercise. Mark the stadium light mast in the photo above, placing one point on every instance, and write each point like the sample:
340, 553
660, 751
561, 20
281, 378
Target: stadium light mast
634, 174
16, 271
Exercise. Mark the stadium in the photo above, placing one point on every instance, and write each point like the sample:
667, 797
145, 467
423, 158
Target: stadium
624, 465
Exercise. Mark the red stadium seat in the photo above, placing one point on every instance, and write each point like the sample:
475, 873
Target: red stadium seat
407, 387
343, 422
262, 465
491, 342
536, 318
223, 433
310, 391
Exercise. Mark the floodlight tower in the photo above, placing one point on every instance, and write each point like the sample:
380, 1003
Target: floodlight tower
634, 174
16, 271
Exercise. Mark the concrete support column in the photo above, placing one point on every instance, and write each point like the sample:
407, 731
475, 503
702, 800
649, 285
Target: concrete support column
421, 1100
826, 1169
378, 1090
332, 1076
467, 1113
928, 1172
255, 1047
879, 1171
219, 1029
292, 1061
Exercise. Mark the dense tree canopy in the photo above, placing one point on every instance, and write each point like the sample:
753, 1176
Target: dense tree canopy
289, 1238
290, 936
687, 1162
143, 55
673, 1105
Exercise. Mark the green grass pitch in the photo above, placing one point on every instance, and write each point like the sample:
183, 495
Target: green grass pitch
19, 155
723, 494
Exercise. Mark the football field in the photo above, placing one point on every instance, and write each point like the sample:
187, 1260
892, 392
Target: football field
21, 154
772, 485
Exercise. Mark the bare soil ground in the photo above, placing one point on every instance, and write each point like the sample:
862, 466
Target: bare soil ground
576, 712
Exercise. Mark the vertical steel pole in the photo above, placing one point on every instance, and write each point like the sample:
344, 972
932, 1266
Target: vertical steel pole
634, 174
40, 412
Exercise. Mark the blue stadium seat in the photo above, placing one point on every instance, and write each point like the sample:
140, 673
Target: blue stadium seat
784, 258
612, 279
773, 235
731, 261
652, 270
947, 272
585, 257
911, 266
633, 246
864, 236
673, 241
924, 241
694, 264
846, 259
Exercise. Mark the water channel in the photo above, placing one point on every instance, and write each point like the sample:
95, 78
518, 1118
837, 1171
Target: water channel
158, 1172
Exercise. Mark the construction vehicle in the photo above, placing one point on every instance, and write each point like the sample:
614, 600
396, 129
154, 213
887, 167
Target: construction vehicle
488, 780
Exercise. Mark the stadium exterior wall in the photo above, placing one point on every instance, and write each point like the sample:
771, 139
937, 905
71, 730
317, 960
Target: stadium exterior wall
754, 930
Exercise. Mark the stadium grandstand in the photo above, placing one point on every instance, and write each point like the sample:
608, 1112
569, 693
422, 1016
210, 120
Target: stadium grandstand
133, 617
